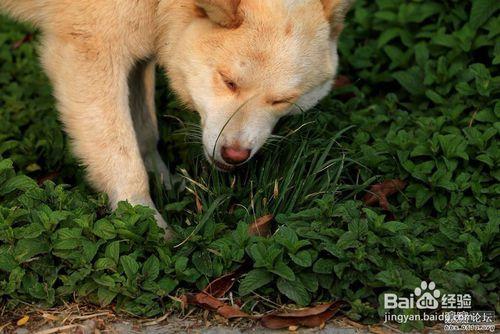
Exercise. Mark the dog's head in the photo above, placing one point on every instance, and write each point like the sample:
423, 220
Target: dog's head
243, 64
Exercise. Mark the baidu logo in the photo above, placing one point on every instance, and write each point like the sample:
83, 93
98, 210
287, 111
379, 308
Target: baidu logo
427, 297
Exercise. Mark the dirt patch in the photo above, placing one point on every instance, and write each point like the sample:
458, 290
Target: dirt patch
79, 319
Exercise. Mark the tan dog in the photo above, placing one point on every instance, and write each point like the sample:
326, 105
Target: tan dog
241, 62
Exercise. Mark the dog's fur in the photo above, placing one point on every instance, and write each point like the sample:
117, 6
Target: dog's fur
250, 61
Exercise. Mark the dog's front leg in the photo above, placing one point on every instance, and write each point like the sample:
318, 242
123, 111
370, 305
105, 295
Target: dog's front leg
90, 84
142, 103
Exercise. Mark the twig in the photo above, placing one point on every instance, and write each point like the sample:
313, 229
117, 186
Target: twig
90, 316
473, 118
58, 329
157, 321
392, 328
3, 326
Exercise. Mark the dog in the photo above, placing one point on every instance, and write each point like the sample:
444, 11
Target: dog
241, 64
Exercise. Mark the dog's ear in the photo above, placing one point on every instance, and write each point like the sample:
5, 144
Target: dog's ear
223, 12
335, 11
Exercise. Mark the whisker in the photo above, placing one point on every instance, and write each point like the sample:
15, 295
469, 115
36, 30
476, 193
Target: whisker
227, 122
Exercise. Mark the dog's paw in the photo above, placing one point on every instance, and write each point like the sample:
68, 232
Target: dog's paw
169, 234
146, 201
155, 165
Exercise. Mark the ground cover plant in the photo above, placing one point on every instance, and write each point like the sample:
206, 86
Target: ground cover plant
423, 107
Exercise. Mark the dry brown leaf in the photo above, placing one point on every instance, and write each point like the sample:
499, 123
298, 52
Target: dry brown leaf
230, 312
199, 206
262, 226
222, 285
47, 177
378, 193
211, 303
342, 81
306, 311
314, 316
27, 38
217, 289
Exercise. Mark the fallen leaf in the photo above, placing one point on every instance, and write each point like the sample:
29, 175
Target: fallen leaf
211, 303
220, 286
47, 177
342, 81
378, 193
217, 289
27, 38
230, 312
306, 311
199, 206
23, 321
261, 227
308, 317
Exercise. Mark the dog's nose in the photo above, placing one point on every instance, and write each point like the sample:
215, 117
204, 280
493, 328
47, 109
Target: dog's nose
235, 155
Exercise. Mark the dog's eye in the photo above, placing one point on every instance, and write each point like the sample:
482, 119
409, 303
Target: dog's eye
231, 85
282, 101
279, 102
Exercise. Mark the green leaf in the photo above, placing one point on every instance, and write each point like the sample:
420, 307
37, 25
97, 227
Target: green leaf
264, 256
390, 278
203, 263
481, 12
19, 183
113, 251
295, 291
151, 268
421, 54
475, 254
181, 264
105, 280
105, 296
286, 237
5, 164
411, 80
89, 249
104, 263
255, 279
26, 249
454, 146
302, 258
387, 35
30, 231
440, 202
130, 266
395, 226
324, 266
166, 285
482, 78
66, 244
7, 262
281, 269
104, 229
310, 281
